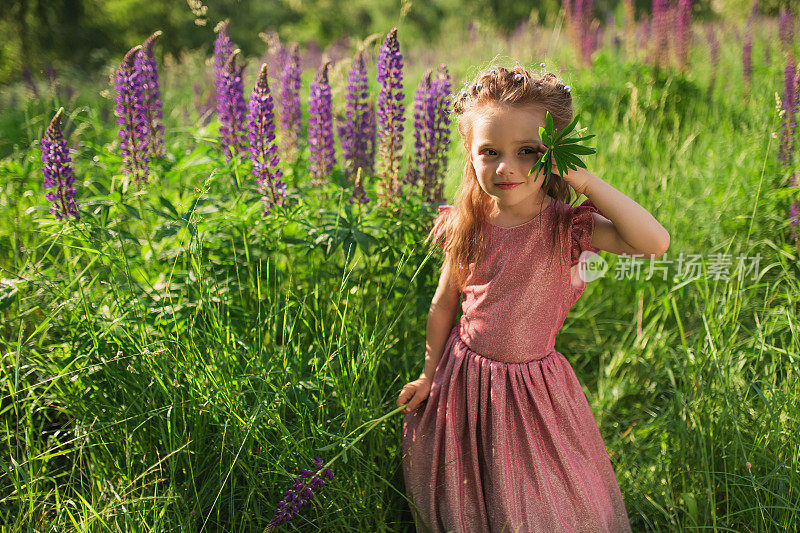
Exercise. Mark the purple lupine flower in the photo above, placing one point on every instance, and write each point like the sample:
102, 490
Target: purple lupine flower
423, 126
370, 134
320, 127
132, 119
788, 112
355, 145
683, 31
358, 189
786, 28
794, 209
263, 150
431, 132
747, 48
441, 127
223, 48
747, 62
300, 493
312, 56
643, 31
58, 171
148, 68
585, 34
713, 52
391, 113
660, 29
576, 23
588, 38
232, 108
291, 114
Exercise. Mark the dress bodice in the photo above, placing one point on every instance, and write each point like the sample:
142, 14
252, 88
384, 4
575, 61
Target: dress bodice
519, 293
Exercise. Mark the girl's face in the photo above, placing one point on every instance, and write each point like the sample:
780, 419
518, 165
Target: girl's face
505, 146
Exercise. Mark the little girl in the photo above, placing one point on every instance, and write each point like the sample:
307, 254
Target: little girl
506, 440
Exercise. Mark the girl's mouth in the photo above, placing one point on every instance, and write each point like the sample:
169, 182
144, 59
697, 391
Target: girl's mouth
506, 186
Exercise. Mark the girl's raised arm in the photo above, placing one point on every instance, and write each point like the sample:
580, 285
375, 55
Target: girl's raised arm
629, 229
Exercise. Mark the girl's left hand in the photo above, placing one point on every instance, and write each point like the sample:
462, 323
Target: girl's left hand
575, 178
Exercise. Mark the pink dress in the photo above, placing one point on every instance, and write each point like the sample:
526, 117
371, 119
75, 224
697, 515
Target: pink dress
506, 440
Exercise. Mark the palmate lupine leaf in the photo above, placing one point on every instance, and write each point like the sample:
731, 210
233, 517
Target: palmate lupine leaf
563, 150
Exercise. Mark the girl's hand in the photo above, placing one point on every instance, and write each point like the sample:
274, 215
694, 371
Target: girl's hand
417, 391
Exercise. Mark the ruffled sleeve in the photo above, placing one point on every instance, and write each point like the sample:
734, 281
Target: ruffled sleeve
581, 230
439, 225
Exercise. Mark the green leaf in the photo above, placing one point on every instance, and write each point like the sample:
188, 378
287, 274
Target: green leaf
575, 160
581, 150
167, 229
549, 122
574, 140
166, 203
364, 241
294, 240
569, 128
132, 211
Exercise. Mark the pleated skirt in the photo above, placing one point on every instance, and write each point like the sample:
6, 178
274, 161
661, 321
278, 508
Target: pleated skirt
508, 447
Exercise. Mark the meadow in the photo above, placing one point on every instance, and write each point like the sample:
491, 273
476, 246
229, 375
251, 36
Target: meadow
173, 358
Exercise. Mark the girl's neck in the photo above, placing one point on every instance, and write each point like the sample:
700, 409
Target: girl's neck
525, 212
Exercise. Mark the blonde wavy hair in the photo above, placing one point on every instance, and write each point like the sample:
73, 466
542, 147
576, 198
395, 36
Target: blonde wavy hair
464, 233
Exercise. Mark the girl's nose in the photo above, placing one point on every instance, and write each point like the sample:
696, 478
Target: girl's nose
504, 168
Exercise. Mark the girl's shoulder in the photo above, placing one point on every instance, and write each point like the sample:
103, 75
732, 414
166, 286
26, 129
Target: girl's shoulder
581, 229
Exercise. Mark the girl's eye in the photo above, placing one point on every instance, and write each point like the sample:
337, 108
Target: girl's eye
489, 151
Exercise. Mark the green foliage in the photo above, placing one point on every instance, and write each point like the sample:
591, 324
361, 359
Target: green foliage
563, 150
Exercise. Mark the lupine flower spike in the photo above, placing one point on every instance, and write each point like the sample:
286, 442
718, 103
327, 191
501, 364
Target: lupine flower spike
785, 29
320, 127
58, 171
358, 189
148, 68
423, 127
263, 150
441, 88
794, 209
431, 132
291, 115
789, 109
353, 132
231, 108
391, 112
300, 493
683, 31
223, 48
132, 119
370, 132
747, 49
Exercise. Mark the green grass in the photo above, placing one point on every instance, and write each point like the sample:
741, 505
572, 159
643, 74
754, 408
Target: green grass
171, 361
